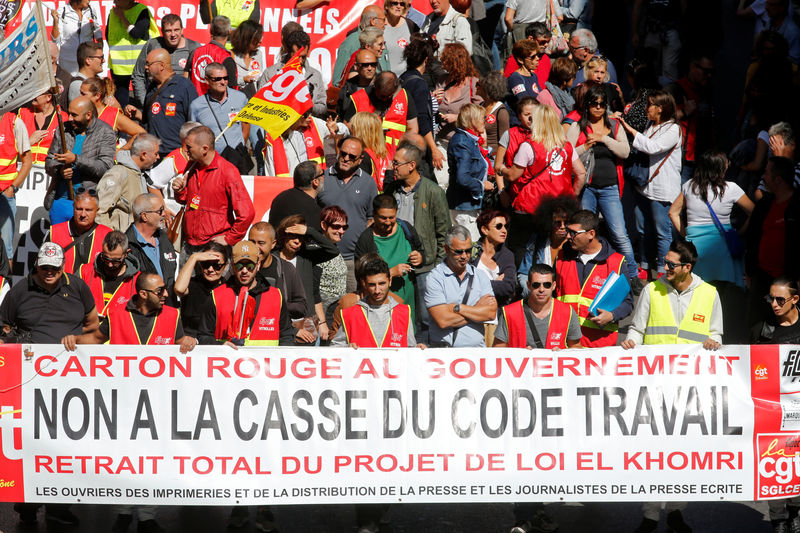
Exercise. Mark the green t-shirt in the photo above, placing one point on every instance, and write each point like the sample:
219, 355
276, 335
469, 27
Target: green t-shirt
395, 249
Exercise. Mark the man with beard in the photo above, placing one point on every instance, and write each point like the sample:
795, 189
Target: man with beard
81, 237
87, 155
366, 67
173, 41
112, 275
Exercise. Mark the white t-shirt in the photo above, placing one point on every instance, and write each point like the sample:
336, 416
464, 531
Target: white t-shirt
697, 211
525, 156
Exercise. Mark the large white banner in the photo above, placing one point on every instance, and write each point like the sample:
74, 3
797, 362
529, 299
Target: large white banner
148, 425
23, 64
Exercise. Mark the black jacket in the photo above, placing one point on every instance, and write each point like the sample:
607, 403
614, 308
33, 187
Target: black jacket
506, 288
168, 259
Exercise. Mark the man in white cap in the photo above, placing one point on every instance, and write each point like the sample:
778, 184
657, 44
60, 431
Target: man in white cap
49, 304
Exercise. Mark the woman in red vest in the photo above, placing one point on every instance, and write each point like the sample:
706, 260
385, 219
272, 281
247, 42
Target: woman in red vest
96, 90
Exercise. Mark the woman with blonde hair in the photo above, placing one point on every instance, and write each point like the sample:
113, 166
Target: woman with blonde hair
368, 128
470, 171
97, 90
596, 73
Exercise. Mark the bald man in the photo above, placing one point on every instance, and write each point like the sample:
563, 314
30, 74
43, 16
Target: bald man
88, 154
366, 66
166, 101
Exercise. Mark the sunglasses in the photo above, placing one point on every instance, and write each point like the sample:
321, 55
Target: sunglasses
217, 78
85, 190
216, 265
467, 251
672, 266
398, 164
545, 284
500, 225
48, 268
598, 104
160, 210
111, 261
338, 226
367, 65
573, 232
157, 290
348, 157
403, 4
245, 264
779, 299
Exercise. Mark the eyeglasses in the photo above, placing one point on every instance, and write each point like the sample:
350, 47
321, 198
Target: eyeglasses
157, 290
217, 78
598, 104
318, 176
101, 58
160, 210
534, 56
348, 157
402, 4
545, 284
398, 164
245, 264
148, 63
111, 260
573, 232
338, 226
672, 266
500, 225
216, 265
467, 251
781, 301
84, 190
368, 65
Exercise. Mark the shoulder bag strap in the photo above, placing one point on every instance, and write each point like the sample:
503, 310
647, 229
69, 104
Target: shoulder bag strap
82, 237
224, 137
658, 169
536, 339
464, 302
717, 223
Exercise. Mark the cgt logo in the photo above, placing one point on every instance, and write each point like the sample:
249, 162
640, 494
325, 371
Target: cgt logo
778, 465
760, 372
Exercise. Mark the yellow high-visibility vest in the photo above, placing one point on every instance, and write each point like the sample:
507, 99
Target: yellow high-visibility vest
695, 327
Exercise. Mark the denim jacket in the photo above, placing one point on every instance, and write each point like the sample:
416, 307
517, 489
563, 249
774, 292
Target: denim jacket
468, 170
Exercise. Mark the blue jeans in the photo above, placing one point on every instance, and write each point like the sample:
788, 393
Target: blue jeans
8, 217
608, 201
657, 227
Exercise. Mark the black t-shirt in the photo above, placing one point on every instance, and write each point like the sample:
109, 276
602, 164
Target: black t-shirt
770, 334
294, 202
194, 304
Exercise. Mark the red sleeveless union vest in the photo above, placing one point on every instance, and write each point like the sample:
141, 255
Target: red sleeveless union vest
60, 235
359, 331
550, 175
379, 166
580, 298
39, 150
109, 115
120, 297
179, 161
122, 329
239, 318
560, 315
314, 150
202, 57
394, 121
582, 139
8, 151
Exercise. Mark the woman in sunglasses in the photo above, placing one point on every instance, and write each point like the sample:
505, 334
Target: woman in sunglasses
333, 275
210, 265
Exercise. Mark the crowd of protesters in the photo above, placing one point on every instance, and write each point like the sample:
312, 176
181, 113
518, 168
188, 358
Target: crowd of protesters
466, 180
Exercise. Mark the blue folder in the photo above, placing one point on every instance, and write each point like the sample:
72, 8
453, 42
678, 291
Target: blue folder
611, 294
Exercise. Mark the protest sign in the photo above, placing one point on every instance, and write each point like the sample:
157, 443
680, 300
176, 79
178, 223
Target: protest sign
23, 64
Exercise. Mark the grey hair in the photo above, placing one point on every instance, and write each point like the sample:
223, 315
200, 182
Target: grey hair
220, 26
784, 129
369, 13
186, 128
143, 202
456, 232
586, 39
144, 142
369, 35
412, 152
212, 67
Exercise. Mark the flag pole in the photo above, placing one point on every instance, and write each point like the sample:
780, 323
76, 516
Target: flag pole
54, 91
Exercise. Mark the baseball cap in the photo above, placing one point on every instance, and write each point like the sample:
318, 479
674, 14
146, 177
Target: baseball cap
50, 254
245, 250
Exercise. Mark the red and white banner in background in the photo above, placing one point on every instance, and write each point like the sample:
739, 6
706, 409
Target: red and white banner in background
33, 223
147, 425
327, 24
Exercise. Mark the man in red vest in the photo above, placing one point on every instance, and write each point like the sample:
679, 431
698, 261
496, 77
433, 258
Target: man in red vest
15, 147
390, 102
80, 237
582, 269
377, 320
213, 52
246, 310
112, 274
41, 122
541, 321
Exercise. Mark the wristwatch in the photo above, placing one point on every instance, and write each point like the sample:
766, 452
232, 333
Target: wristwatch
457, 308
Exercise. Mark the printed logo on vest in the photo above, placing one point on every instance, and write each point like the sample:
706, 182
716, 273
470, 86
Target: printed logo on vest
162, 340
266, 322
398, 107
396, 339
697, 317
490, 119
155, 109
199, 71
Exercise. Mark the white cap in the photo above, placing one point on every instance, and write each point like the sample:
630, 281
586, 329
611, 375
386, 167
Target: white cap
50, 254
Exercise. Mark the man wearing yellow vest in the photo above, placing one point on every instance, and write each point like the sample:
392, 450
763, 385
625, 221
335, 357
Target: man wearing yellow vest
129, 28
678, 308
236, 10
15, 165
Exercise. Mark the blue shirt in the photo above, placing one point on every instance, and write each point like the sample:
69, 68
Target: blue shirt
150, 251
209, 112
444, 287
